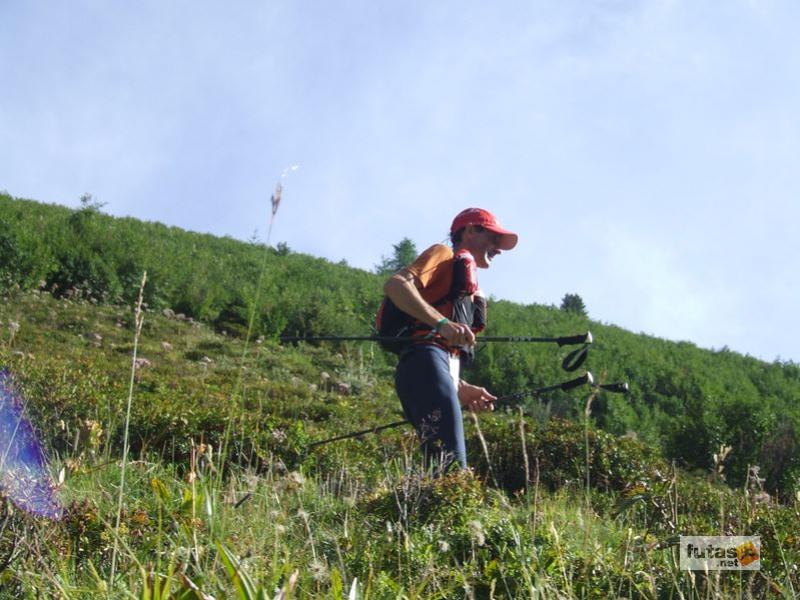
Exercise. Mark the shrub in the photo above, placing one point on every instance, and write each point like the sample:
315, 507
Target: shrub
418, 500
558, 453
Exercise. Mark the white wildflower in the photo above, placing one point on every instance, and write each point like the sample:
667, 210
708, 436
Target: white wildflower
478, 534
319, 570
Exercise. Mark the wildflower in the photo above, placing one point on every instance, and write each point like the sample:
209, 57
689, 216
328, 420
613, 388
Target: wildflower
477, 532
319, 570
444, 546
93, 432
275, 199
762, 498
297, 478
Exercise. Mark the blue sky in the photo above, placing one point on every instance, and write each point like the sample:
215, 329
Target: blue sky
642, 150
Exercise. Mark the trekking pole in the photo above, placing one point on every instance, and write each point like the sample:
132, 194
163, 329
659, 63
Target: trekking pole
571, 362
615, 388
567, 340
358, 433
584, 379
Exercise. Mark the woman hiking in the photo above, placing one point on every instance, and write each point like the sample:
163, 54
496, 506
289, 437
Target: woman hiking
438, 298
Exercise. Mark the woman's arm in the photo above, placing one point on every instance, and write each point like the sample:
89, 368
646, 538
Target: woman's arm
402, 290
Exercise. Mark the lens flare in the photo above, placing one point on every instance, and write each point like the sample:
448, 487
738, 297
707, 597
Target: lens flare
24, 478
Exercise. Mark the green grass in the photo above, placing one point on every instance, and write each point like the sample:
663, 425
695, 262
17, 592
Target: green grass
685, 400
271, 517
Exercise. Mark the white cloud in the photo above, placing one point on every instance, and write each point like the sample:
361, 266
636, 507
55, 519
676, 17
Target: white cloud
658, 292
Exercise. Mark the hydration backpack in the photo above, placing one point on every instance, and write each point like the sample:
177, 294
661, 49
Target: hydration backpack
468, 307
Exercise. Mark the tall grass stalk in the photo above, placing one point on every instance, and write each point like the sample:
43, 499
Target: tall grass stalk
138, 321
586, 413
275, 200
485, 447
526, 462
791, 591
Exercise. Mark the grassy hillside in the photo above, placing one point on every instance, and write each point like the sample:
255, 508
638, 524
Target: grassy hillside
592, 515
689, 402
581, 496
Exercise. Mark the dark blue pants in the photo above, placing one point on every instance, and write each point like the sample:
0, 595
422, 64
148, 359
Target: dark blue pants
430, 402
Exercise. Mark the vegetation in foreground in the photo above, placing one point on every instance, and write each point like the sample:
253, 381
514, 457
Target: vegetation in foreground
223, 498
582, 496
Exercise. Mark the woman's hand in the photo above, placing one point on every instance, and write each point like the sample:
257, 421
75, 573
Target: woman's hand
475, 398
457, 334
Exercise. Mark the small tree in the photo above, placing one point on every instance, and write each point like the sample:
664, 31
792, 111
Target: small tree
88, 203
573, 303
404, 253
80, 217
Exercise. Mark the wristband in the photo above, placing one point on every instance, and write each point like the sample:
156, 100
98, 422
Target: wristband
439, 323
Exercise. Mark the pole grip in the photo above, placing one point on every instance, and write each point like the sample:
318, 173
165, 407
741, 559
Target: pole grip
616, 388
571, 340
577, 382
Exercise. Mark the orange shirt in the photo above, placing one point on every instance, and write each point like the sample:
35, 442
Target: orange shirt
434, 272
433, 275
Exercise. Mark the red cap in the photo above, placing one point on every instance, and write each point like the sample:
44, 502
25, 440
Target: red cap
478, 216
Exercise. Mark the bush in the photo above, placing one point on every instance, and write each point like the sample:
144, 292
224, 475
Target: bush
418, 500
558, 453
686, 400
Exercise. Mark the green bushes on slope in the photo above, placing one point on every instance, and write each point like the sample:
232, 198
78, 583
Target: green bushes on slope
690, 402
